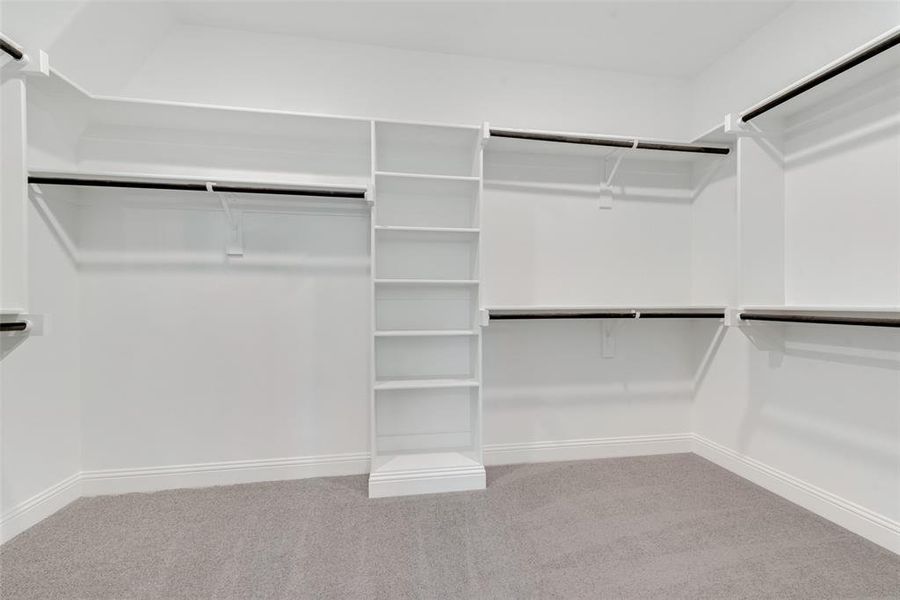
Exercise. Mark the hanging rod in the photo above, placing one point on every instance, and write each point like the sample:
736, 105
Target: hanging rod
823, 320
848, 63
197, 187
616, 313
14, 326
593, 314
11, 48
565, 138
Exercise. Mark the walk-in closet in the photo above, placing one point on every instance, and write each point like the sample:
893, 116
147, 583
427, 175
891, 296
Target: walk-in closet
438, 300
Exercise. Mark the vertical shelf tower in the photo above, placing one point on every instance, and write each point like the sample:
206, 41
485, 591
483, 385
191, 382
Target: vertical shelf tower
426, 335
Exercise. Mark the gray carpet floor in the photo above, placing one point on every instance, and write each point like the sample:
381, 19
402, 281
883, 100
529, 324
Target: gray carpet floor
673, 526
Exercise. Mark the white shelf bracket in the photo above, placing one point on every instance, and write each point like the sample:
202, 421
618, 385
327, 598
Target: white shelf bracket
370, 195
608, 339
738, 128
610, 176
485, 317
485, 133
732, 318
235, 244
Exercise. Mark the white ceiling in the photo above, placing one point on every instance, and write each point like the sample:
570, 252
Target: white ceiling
677, 38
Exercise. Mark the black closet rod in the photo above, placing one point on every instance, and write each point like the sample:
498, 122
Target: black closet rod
606, 315
11, 48
851, 61
14, 326
197, 187
824, 320
564, 315
611, 142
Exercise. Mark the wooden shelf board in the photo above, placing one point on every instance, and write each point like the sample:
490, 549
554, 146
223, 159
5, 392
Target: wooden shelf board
425, 332
424, 384
428, 282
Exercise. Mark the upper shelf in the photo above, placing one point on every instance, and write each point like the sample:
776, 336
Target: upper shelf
869, 63
872, 316
70, 129
605, 312
554, 142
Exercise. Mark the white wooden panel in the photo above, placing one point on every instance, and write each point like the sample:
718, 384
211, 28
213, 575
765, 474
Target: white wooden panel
13, 198
761, 213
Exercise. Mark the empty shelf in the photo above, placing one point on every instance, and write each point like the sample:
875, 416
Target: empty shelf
424, 384
424, 332
404, 228
426, 282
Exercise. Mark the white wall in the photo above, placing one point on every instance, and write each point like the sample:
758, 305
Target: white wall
798, 41
195, 358
97, 43
201, 64
813, 411
40, 411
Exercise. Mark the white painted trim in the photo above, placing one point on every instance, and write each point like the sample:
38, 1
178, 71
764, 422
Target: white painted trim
148, 479
873, 526
427, 481
583, 449
39, 507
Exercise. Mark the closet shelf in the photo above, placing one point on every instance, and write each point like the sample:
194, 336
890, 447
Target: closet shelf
425, 333
605, 312
871, 316
428, 282
197, 183
424, 384
873, 59
410, 229
426, 176
581, 144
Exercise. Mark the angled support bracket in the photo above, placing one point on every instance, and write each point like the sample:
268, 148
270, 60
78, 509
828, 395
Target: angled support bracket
370, 195
235, 244
610, 175
706, 178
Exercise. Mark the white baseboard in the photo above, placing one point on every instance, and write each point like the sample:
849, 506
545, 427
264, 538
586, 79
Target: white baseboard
538, 452
873, 526
430, 481
39, 507
866, 523
123, 481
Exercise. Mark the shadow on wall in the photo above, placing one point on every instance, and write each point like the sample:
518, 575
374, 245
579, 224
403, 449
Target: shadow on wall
832, 386
550, 380
117, 229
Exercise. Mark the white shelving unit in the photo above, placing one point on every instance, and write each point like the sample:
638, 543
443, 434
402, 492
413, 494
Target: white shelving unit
426, 371
809, 183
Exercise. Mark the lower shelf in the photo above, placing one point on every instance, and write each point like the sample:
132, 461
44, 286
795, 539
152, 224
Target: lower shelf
425, 473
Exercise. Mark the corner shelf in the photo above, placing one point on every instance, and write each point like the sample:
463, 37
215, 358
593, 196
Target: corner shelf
871, 316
